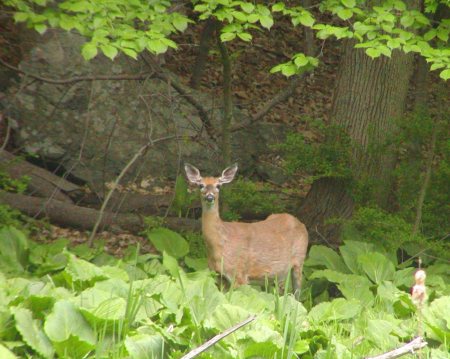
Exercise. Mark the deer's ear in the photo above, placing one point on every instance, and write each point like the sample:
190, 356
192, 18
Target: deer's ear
192, 174
228, 174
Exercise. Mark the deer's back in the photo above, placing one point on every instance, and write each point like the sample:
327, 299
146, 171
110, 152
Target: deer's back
267, 248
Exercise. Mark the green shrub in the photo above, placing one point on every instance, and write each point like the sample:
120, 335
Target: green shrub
244, 196
327, 156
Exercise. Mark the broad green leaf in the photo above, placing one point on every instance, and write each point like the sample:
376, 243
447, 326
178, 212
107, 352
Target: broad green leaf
224, 317
379, 332
80, 270
69, 331
21, 16
350, 252
266, 21
349, 3
357, 287
373, 52
5, 353
437, 319
288, 69
180, 23
244, 36
325, 256
227, 36
157, 46
345, 14
89, 51
180, 201
169, 241
247, 7
377, 267
338, 309
40, 28
32, 333
306, 19
301, 346
196, 263
14, 250
109, 51
144, 346
445, 74
279, 6
171, 265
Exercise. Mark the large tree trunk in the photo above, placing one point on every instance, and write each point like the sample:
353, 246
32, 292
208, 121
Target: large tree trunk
369, 95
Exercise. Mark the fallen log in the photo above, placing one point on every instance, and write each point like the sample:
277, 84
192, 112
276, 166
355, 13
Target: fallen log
42, 182
69, 215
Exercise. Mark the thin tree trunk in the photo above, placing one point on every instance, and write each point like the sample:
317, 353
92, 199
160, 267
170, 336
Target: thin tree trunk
203, 49
309, 46
227, 103
426, 181
369, 95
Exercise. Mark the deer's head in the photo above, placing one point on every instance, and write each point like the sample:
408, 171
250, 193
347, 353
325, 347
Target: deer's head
210, 186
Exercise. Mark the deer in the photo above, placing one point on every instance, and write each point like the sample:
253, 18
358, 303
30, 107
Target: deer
249, 252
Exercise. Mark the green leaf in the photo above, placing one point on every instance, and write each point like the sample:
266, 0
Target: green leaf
445, 74
350, 252
168, 241
144, 346
5, 353
349, 3
171, 265
247, 7
338, 309
373, 52
306, 19
129, 52
244, 36
89, 51
69, 331
301, 346
288, 69
80, 270
437, 319
379, 332
227, 36
279, 6
266, 21
40, 28
14, 250
21, 16
345, 14
109, 51
180, 23
325, 256
224, 317
377, 267
301, 61
407, 20
32, 333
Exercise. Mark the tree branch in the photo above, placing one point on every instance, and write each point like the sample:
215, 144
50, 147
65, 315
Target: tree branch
141, 76
416, 344
214, 340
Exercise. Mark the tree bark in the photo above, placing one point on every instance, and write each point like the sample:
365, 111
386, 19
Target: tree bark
70, 215
41, 182
369, 95
203, 49
227, 103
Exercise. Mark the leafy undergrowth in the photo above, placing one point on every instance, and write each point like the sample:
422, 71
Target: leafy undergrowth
83, 303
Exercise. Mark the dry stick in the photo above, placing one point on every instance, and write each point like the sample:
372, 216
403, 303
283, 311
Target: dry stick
141, 76
138, 154
214, 340
415, 344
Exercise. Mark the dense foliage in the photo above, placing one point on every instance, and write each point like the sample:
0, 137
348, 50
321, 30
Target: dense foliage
135, 26
80, 302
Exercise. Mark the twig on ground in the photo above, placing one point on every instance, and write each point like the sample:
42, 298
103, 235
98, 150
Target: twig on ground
218, 337
415, 344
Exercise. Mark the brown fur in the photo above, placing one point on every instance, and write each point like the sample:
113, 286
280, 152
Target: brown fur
244, 252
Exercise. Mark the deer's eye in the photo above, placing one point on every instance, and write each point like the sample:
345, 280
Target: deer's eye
218, 186
201, 185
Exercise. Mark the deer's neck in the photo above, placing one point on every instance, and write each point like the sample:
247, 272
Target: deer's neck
212, 226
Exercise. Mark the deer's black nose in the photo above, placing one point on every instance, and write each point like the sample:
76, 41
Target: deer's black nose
209, 197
